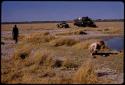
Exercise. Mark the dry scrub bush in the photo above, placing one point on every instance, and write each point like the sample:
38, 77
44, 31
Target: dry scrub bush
69, 63
22, 50
22, 55
39, 38
73, 32
31, 65
46, 33
63, 41
79, 32
112, 31
42, 57
25, 54
85, 74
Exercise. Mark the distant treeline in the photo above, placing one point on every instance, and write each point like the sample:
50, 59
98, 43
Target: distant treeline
108, 20
26, 22
69, 21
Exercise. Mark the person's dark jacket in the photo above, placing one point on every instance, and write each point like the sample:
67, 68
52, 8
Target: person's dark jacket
15, 32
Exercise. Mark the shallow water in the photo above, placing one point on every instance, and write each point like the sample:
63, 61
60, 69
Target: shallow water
115, 43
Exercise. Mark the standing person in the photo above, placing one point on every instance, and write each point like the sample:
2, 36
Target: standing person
15, 33
95, 47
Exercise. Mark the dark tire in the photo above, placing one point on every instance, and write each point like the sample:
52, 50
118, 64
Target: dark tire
57, 25
93, 25
66, 26
83, 25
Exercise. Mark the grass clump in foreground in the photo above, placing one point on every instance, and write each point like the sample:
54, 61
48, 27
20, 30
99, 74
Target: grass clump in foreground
22, 51
39, 57
43, 57
37, 62
85, 74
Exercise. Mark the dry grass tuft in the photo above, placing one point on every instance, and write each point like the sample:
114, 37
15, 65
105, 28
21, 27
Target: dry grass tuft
22, 51
74, 32
69, 63
112, 30
79, 32
40, 57
31, 64
39, 38
46, 33
27, 54
85, 74
63, 41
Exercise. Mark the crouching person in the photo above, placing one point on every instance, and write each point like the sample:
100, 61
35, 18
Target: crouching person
95, 47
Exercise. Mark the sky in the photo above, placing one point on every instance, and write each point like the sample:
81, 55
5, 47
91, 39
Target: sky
17, 11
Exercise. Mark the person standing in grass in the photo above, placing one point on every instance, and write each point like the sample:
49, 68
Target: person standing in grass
15, 33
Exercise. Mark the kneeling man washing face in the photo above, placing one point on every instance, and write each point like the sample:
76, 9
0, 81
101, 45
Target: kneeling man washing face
96, 46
